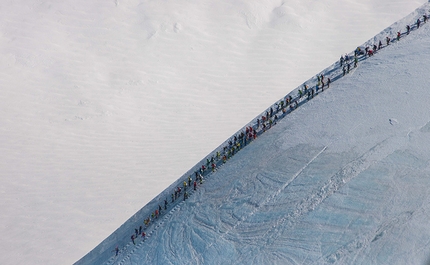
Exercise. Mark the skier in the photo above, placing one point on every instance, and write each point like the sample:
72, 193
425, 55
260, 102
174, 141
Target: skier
348, 67
185, 196
355, 61
116, 251
189, 180
341, 60
136, 231
346, 58
140, 229
143, 235
185, 185
379, 45
165, 204
418, 23
328, 82
387, 40
277, 107
408, 29
195, 185
398, 35
132, 239
344, 70
425, 18
357, 51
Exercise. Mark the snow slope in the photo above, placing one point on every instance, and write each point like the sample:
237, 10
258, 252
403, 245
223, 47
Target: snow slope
343, 179
106, 103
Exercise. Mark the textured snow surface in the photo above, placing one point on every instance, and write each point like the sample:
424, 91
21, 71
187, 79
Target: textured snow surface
107, 103
343, 179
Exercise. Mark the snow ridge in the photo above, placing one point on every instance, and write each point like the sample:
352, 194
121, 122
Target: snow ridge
335, 182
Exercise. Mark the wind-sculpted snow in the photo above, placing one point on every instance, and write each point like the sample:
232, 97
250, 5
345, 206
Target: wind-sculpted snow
342, 179
105, 103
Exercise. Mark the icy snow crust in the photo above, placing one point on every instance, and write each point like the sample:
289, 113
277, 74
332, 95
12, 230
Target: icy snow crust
342, 179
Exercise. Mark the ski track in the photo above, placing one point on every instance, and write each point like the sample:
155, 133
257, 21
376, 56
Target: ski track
359, 244
337, 181
269, 198
352, 170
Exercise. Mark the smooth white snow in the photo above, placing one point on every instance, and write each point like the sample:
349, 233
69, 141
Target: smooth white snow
106, 103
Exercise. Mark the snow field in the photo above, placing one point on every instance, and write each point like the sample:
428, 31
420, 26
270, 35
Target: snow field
106, 103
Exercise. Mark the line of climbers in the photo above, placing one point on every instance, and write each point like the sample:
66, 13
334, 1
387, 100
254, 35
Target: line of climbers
261, 125
370, 51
